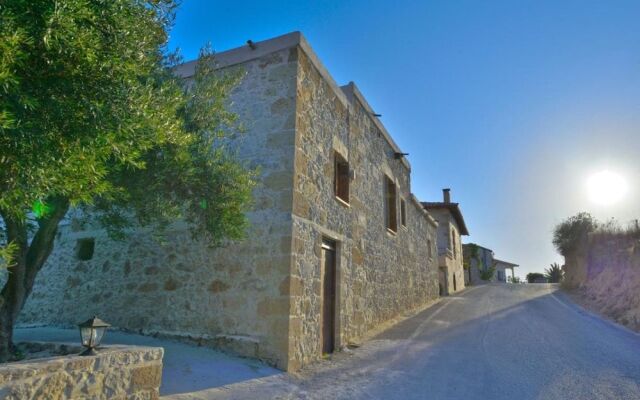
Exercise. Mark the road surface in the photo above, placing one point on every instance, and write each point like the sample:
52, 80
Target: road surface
489, 342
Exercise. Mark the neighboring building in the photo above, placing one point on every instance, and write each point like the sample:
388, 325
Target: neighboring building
337, 246
450, 228
477, 260
501, 270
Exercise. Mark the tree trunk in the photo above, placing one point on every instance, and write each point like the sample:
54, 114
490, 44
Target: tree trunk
22, 274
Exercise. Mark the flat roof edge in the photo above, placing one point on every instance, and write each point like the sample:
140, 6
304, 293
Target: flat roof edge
358, 95
241, 54
245, 53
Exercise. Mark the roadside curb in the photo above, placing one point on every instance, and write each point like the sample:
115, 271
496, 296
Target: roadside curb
566, 300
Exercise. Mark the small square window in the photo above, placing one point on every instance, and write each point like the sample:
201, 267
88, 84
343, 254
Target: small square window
85, 248
341, 178
391, 201
403, 212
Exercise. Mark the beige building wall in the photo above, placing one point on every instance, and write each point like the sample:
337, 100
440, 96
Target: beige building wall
450, 257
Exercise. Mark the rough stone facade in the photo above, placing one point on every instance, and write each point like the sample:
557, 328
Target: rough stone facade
451, 227
117, 372
477, 259
262, 297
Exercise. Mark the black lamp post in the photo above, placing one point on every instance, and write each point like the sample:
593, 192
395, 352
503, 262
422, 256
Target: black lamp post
91, 334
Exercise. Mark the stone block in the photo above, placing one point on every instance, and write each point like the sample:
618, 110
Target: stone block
117, 372
301, 206
146, 377
279, 180
148, 287
273, 306
218, 286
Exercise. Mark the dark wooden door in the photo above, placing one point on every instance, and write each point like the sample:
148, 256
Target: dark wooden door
328, 296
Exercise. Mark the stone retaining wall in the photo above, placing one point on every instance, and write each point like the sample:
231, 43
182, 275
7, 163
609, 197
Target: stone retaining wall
605, 272
117, 372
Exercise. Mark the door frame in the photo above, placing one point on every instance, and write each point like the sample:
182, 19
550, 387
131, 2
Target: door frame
329, 244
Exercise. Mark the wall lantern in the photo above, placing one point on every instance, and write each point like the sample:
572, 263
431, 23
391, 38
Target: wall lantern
91, 333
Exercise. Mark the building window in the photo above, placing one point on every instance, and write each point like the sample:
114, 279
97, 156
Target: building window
429, 249
341, 178
403, 213
390, 204
84, 249
453, 244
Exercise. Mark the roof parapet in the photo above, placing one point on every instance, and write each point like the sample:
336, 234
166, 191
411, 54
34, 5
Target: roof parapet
346, 93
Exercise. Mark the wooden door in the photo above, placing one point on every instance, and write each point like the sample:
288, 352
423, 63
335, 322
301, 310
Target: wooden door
328, 296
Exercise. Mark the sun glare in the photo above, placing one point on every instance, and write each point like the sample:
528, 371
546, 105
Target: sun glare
606, 187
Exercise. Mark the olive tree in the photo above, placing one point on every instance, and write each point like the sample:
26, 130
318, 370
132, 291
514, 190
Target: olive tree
92, 117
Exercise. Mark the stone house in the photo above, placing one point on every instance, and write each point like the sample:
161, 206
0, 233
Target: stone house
338, 244
451, 227
502, 268
477, 259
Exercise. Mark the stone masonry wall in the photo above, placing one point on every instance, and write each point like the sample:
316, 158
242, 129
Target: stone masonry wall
117, 372
486, 258
380, 275
450, 259
234, 297
262, 297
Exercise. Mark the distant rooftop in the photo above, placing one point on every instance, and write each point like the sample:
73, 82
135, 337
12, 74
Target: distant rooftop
510, 265
454, 209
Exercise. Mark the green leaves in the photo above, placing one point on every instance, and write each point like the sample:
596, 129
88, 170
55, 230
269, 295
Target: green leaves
90, 112
7, 255
554, 273
568, 235
40, 209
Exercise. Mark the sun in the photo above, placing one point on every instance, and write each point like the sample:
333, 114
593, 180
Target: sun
606, 187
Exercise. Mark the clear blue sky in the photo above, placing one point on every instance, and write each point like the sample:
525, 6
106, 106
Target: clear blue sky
512, 104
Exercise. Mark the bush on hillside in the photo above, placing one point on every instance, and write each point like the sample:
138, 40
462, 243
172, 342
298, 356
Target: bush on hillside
553, 273
533, 276
573, 230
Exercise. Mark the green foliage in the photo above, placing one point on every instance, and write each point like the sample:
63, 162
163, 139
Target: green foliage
90, 112
515, 279
486, 273
7, 255
553, 274
571, 232
532, 276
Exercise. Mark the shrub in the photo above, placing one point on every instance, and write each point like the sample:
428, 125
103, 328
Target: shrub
486, 274
553, 273
532, 276
569, 233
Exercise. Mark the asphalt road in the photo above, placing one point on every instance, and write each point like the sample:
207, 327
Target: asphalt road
514, 342
489, 342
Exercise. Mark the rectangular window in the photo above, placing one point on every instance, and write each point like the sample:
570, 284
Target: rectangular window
454, 245
341, 178
403, 212
390, 204
85, 248
429, 250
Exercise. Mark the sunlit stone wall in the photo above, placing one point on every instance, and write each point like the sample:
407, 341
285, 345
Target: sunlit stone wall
177, 286
262, 297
